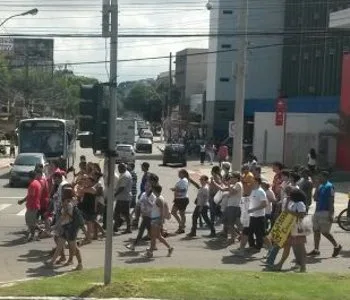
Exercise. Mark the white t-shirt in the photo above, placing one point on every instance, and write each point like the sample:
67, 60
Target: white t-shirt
244, 212
270, 195
310, 160
203, 196
256, 198
146, 204
236, 198
300, 208
182, 188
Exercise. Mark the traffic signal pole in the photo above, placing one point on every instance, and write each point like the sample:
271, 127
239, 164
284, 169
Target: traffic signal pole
110, 155
241, 68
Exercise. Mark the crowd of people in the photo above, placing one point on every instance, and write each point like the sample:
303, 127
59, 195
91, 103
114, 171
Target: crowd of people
244, 202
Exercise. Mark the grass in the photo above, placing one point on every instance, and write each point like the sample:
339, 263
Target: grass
189, 284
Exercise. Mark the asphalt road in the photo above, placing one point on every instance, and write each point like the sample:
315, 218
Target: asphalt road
20, 260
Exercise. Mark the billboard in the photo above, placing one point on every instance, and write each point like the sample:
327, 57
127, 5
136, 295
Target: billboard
34, 52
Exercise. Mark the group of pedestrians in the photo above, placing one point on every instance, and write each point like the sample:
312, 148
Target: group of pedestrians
244, 202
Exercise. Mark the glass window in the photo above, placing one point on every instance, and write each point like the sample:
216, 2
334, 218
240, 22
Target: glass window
227, 12
26, 160
224, 79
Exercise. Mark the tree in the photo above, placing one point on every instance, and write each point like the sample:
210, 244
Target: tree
143, 98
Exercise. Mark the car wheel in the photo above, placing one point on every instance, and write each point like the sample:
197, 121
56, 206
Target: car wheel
11, 184
164, 163
184, 164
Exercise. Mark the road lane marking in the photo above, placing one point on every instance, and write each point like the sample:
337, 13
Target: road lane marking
4, 206
11, 197
22, 212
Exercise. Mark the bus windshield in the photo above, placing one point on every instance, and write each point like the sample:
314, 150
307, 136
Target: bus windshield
42, 137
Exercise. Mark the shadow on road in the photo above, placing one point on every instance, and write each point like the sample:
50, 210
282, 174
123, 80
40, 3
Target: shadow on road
42, 271
139, 260
215, 244
33, 256
16, 242
128, 253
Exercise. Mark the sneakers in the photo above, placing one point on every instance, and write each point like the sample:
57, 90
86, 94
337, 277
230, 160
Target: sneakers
336, 251
79, 267
170, 251
180, 231
314, 253
131, 247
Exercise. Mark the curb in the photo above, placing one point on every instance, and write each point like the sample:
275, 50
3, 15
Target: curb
69, 298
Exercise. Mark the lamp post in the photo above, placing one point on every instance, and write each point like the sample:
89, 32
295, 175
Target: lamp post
32, 12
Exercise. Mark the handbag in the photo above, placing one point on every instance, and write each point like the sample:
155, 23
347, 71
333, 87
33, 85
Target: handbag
305, 225
218, 197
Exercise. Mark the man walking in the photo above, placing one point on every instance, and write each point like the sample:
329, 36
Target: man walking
32, 204
123, 198
324, 214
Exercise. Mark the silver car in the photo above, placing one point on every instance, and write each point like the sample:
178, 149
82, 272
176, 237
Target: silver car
24, 163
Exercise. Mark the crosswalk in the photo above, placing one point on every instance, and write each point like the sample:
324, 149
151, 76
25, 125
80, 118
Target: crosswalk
12, 209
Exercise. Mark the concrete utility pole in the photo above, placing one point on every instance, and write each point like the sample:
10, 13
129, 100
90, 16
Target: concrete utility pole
113, 8
241, 66
170, 94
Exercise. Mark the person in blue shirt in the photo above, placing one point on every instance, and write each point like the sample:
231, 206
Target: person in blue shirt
324, 214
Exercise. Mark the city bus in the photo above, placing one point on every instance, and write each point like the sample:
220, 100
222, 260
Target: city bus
56, 138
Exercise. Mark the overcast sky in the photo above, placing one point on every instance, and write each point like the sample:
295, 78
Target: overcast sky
135, 17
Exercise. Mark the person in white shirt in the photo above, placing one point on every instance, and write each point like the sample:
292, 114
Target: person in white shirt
256, 210
202, 207
271, 198
181, 200
257, 205
311, 160
231, 204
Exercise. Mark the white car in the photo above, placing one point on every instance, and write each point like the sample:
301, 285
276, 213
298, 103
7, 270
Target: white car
147, 134
125, 153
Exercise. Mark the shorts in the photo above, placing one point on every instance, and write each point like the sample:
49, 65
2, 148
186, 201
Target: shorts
70, 233
156, 221
232, 215
100, 208
321, 222
89, 217
181, 203
31, 217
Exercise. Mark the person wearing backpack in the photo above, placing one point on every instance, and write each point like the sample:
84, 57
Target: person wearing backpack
71, 221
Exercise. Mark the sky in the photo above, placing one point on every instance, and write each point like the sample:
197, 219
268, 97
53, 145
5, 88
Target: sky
135, 17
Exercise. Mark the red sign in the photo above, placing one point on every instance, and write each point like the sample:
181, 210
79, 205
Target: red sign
281, 108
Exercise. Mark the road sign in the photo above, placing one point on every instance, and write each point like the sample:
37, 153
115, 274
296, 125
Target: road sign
281, 108
231, 129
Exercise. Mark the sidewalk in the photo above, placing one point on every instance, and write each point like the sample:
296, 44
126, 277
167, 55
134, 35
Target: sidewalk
341, 188
5, 162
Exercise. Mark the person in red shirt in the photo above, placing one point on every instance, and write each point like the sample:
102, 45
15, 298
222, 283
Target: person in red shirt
223, 153
277, 168
32, 201
44, 213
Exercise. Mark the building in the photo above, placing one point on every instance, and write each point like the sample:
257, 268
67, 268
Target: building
264, 60
312, 55
163, 77
191, 75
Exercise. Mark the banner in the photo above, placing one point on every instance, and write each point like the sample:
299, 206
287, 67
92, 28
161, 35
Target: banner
282, 228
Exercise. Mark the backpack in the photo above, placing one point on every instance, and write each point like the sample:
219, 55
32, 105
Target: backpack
78, 219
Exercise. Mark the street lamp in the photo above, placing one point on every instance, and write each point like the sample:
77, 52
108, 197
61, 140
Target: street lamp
32, 12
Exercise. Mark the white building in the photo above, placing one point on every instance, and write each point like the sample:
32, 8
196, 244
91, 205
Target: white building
264, 58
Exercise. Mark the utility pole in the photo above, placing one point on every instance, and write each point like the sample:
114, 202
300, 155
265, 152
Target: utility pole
110, 155
241, 69
170, 94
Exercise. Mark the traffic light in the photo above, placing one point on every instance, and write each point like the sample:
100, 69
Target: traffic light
93, 118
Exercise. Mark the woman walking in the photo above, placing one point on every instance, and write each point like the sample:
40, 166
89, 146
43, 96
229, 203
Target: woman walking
157, 220
311, 160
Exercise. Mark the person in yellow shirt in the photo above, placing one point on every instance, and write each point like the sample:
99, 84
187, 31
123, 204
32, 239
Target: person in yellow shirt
247, 181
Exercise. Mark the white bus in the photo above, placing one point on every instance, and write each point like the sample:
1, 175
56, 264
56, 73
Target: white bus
56, 138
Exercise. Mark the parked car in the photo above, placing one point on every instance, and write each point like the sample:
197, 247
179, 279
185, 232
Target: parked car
23, 164
125, 153
174, 154
146, 134
144, 145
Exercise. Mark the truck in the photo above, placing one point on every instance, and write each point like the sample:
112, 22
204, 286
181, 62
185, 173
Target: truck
126, 130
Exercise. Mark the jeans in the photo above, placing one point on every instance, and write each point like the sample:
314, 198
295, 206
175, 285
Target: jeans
145, 224
204, 213
271, 256
257, 228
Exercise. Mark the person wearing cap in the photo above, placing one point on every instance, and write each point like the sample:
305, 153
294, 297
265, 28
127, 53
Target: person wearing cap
324, 215
247, 180
32, 201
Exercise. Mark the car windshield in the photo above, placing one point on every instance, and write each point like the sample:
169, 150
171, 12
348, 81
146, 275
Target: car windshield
123, 148
27, 160
143, 141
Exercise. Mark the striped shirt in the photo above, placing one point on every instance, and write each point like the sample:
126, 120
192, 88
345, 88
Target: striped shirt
134, 184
